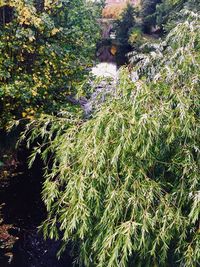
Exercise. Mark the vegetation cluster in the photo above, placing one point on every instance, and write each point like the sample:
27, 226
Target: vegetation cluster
123, 184
45, 50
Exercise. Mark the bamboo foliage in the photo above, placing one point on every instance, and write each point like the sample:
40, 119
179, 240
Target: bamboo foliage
124, 185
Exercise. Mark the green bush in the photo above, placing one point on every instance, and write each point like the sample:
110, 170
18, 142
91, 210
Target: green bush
45, 49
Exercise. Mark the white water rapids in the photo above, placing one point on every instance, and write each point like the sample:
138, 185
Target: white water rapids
105, 70
103, 85
107, 74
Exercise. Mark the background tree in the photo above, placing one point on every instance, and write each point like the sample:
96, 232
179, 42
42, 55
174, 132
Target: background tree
45, 47
147, 13
167, 12
113, 11
123, 28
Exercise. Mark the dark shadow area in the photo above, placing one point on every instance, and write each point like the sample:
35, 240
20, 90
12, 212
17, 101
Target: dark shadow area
6, 14
22, 212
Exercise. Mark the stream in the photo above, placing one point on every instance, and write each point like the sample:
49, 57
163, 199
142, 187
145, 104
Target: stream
23, 211
21, 245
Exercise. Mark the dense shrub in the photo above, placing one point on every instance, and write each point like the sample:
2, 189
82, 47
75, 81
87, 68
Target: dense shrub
45, 49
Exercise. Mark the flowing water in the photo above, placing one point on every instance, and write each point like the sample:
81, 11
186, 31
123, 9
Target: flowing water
105, 70
23, 210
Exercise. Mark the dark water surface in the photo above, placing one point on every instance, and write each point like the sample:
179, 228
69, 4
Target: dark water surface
111, 51
24, 210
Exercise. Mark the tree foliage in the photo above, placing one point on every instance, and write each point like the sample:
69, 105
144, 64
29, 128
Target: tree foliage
124, 185
148, 8
45, 48
113, 11
125, 24
123, 28
167, 12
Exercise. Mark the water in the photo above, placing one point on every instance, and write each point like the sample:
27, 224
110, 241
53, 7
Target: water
23, 212
105, 70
